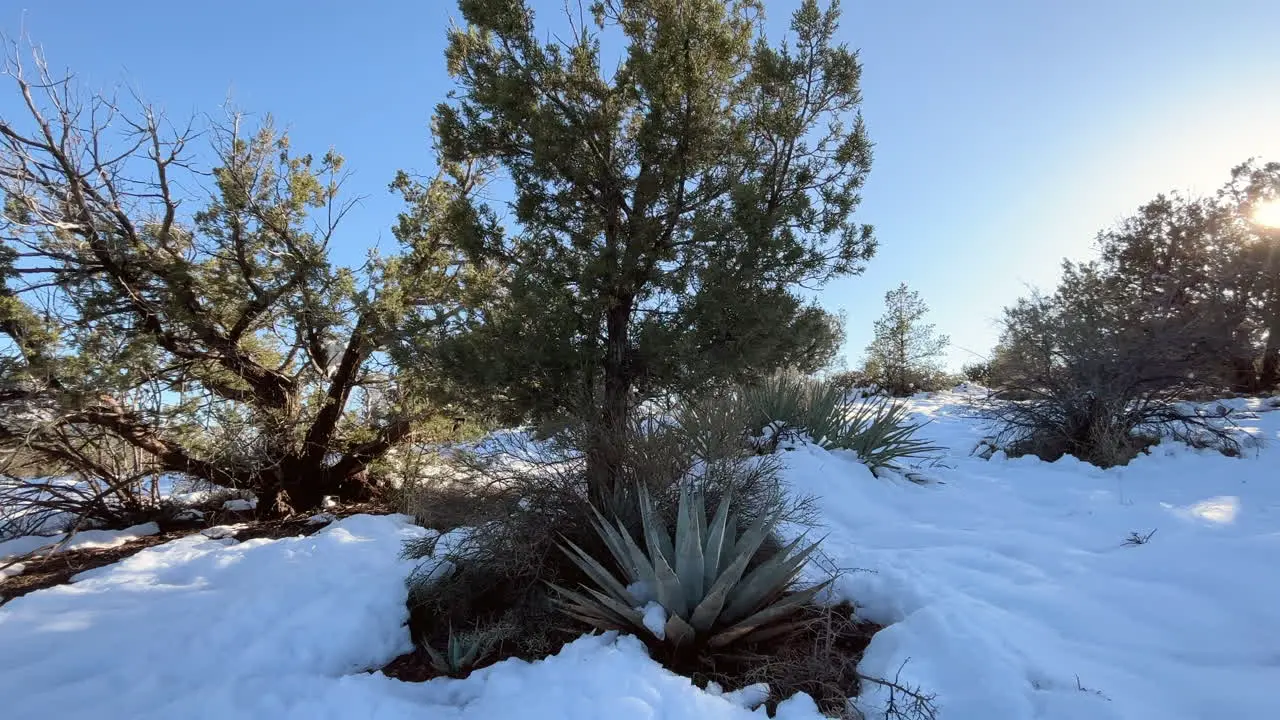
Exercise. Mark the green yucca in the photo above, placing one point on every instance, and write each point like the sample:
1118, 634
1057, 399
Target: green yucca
698, 576
879, 431
881, 434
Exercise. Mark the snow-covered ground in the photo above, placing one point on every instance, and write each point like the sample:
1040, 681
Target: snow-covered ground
83, 540
1008, 585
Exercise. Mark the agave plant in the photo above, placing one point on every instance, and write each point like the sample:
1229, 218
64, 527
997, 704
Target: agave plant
699, 577
463, 652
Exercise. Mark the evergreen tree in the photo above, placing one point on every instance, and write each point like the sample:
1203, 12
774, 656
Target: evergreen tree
666, 212
221, 344
905, 351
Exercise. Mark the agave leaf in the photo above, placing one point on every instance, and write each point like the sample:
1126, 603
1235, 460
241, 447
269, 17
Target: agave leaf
776, 630
617, 614
774, 612
689, 560
595, 621
701, 516
715, 545
667, 583
644, 569
613, 541
769, 579
730, 540
438, 661
652, 519
678, 632
468, 652
706, 612
598, 572
632, 615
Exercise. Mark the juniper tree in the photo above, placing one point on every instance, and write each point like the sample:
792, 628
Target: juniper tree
666, 210
195, 316
904, 351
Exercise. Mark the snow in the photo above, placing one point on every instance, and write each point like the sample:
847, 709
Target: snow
239, 505
1007, 585
323, 518
278, 629
82, 540
1010, 592
655, 619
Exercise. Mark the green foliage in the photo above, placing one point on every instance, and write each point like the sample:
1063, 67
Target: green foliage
977, 372
194, 315
698, 575
666, 213
903, 356
464, 651
877, 429
1191, 279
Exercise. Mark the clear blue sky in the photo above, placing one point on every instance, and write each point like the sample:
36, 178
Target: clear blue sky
1008, 132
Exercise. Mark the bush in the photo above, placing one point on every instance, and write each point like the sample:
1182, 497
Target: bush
688, 593
529, 497
1075, 379
530, 500
789, 405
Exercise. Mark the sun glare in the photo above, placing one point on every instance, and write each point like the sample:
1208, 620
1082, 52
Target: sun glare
1267, 214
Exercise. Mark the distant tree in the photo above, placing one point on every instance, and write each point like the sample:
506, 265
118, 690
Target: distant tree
666, 212
978, 372
1199, 262
1251, 185
191, 315
905, 350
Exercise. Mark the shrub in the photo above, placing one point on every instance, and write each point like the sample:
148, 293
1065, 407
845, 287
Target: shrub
878, 430
1078, 379
499, 571
696, 576
528, 497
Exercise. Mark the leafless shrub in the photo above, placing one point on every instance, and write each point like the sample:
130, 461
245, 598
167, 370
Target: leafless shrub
1137, 538
1081, 377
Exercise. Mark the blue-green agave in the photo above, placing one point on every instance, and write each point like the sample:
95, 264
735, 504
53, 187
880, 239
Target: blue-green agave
463, 652
699, 576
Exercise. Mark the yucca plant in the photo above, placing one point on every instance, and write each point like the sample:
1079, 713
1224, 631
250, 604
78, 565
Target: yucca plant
880, 433
463, 652
699, 577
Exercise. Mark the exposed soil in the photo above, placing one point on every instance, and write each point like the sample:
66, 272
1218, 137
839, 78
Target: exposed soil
48, 571
820, 659
45, 572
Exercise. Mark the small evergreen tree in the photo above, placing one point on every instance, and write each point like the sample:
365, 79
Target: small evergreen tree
905, 351
666, 211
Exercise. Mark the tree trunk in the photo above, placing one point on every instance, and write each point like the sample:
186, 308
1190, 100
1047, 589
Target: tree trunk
301, 487
607, 441
1271, 356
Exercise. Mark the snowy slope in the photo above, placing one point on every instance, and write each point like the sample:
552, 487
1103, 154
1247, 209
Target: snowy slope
1005, 582
1012, 592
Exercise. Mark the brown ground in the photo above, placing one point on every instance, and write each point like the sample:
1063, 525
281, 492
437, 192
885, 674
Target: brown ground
45, 572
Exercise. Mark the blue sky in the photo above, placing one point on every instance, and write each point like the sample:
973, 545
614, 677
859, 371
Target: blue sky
1008, 132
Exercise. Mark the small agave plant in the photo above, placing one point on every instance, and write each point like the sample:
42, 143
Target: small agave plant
699, 577
462, 653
